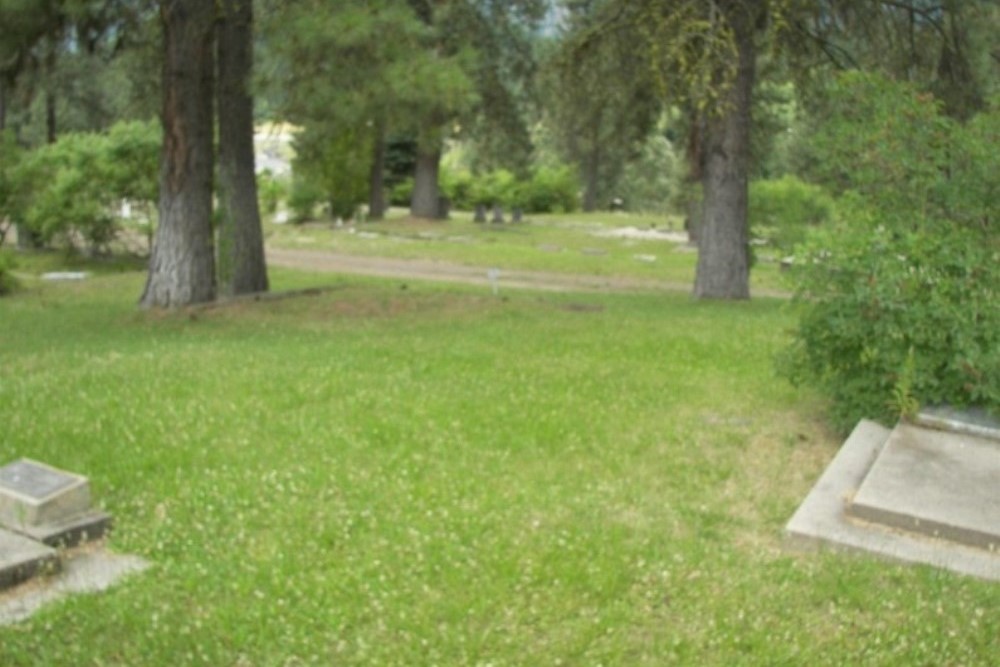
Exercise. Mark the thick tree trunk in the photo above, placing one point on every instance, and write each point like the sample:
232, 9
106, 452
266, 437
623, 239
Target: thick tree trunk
591, 180
182, 265
376, 178
3, 104
723, 259
426, 195
241, 264
51, 130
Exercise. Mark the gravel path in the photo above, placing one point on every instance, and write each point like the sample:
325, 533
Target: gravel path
422, 269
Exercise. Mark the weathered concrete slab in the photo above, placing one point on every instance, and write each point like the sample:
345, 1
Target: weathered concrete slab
21, 559
32, 494
80, 528
86, 571
821, 521
974, 421
936, 483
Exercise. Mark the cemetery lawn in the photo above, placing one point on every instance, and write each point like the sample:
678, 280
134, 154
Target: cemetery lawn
577, 243
378, 476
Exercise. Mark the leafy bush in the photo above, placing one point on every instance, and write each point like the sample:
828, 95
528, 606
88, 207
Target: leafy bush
401, 193
546, 190
899, 300
892, 317
271, 191
649, 183
550, 190
76, 185
495, 187
782, 210
303, 199
332, 164
456, 185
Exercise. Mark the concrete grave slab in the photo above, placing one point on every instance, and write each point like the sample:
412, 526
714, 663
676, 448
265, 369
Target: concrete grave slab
822, 520
936, 483
49, 505
84, 527
974, 421
32, 493
21, 559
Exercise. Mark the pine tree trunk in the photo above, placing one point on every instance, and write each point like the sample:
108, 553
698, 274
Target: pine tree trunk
182, 265
51, 130
591, 181
723, 259
376, 179
241, 265
425, 202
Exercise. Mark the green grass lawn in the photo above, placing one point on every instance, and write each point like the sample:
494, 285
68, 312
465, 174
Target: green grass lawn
436, 476
566, 243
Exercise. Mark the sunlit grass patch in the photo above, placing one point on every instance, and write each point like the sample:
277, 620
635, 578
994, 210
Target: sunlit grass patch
373, 475
575, 243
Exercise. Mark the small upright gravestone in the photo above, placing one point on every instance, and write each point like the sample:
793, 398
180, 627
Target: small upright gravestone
497, 214
517, 214
480, 213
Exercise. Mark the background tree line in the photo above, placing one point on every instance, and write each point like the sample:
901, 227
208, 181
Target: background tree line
672, 105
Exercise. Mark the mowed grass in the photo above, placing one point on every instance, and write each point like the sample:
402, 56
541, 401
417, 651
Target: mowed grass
577, 243
430, 476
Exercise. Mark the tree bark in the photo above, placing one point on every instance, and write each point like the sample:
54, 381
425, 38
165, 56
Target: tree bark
51, 130
426, 195
723, 252
591, 180
376, 179
241, 264
182, 265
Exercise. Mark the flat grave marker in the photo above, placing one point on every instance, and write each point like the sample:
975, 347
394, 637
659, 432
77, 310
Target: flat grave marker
33, 493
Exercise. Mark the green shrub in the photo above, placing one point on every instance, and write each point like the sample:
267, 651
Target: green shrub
649, 183
550, 190
303, 199
782, 210
494, 187
271, 191
899, 299
457, 186
546, 190
75, 186
401, 193
334, 164
892, 317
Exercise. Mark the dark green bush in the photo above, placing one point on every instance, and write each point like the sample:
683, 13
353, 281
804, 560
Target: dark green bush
401, 193
550, 190
271, 191
783, 210
333, 164
546, 190
304, 198
892, 319
74, 187
899, 299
